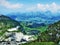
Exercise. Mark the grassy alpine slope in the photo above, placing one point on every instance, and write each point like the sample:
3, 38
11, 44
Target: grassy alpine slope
49, 37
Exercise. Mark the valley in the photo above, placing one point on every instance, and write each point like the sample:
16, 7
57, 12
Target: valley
32, 32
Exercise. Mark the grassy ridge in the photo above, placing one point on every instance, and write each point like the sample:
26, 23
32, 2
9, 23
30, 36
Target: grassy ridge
40, 43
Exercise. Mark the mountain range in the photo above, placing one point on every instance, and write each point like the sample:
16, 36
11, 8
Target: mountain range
38, 17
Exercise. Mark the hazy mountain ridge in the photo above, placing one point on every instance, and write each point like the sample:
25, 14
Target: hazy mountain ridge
46, 17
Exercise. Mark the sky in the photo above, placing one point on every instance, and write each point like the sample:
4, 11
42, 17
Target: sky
9, 6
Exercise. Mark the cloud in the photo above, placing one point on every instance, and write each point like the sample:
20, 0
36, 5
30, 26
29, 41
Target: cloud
31, 8
41, 7
51, 7
10, 5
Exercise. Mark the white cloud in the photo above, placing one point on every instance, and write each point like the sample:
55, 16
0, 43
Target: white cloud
9, 5
41, 7
31, 8
51, 7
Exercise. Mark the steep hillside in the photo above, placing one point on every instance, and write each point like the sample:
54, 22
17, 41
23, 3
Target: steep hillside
52, 34
7, 22
55, 26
